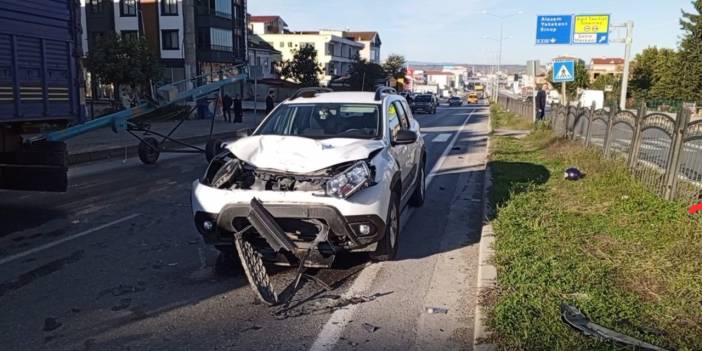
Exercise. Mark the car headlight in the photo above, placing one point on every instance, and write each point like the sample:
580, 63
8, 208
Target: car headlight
349, 181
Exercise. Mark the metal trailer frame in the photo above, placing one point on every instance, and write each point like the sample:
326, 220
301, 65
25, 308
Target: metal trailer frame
188, 90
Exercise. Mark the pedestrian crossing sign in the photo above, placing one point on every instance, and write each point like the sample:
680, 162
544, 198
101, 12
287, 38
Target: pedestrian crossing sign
563, 71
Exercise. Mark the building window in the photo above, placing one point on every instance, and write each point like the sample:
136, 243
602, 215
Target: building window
222, 8
95, 6
290, 44
130, 35
330, 49
169, 7
221, 40
282, 44
169, 39
127, 8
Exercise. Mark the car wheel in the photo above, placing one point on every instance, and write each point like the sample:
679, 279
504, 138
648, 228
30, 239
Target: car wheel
212, 148
387, 246
149, 150
417, 199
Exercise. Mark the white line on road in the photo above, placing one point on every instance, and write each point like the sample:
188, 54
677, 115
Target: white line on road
66, 239
441, 138
331, 332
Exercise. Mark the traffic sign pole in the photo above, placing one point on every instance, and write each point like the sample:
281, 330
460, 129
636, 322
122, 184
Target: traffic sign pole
564, 98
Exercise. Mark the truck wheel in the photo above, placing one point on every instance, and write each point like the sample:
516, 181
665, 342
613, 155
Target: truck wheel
387, 246
417, 199
149, 150
213, 147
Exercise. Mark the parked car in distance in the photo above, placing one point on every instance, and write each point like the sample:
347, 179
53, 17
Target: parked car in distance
425, 103
455, 101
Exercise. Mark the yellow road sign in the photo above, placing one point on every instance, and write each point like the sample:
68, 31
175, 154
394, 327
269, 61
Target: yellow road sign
592, 24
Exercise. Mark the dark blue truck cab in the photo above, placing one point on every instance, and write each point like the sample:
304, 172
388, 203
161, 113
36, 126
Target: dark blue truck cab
40, 90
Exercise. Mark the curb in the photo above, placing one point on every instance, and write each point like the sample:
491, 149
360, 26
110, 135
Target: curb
131, 151
487, 273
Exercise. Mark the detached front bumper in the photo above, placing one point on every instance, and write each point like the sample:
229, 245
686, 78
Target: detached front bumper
301, 223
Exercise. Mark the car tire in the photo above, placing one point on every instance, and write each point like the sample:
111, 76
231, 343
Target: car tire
212, 148
388, 244
417, 199
149, 150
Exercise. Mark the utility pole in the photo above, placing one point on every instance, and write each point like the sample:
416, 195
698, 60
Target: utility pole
627, 57
502, 18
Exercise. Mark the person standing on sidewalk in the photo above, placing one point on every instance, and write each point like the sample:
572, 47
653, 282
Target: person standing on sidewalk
541, 103
227, 107
238, 110
270, 103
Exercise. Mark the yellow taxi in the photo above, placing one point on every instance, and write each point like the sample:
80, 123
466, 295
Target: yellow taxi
472, 98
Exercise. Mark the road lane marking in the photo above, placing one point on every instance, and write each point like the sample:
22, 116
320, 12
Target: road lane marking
441, 138
329, 336
66, 239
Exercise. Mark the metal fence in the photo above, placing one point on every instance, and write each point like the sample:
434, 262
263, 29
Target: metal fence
521, 107
662, 150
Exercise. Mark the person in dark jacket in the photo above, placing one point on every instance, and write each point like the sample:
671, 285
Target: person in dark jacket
227, 107
238, 110
541, 103
270, 103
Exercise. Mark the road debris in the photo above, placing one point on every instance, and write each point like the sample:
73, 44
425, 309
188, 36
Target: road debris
436, 310
51, 324
576, 319
370, 327
336, 302
573, 173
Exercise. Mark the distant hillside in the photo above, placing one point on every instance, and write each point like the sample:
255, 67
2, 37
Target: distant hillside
509, 69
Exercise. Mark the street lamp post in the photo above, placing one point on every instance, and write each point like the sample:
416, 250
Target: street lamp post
502, 19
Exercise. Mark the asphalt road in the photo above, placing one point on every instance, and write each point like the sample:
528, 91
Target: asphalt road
116, 264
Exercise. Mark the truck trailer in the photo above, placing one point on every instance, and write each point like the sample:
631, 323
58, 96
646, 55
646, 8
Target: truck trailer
40, 90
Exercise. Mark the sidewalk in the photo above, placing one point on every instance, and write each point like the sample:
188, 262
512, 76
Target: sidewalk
105, 144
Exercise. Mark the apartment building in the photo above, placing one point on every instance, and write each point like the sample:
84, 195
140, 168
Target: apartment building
335, 52
605, 65
371, 45
217, 30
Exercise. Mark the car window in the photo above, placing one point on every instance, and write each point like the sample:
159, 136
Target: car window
404, 122
321, 121
408, 110
393, 119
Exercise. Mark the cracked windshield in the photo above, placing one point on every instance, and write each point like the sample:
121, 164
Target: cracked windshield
322, 175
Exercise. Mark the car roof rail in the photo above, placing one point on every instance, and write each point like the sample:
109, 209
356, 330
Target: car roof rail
310, 92
382, 90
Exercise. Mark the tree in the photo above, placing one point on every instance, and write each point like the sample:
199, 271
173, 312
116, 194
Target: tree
394, 66
690, 63
582, 79
364, 75
123, 62
303, 68
643, 73
667, 84
601, 83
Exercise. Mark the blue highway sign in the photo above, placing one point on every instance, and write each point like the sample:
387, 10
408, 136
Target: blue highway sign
554, 29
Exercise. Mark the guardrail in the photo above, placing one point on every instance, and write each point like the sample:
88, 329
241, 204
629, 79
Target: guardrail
662, 150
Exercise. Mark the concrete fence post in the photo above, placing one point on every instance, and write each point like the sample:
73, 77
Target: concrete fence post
671, 173
588, 131
610, 124
635, 144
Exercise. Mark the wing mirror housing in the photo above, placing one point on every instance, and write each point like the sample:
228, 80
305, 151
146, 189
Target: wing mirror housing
404, 137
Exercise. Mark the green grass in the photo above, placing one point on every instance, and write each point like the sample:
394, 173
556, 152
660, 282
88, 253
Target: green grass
626, 258
501, 119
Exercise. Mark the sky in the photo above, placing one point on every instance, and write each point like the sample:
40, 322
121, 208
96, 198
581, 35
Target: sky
456, 30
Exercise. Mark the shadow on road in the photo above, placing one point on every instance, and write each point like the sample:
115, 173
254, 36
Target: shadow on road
511, 178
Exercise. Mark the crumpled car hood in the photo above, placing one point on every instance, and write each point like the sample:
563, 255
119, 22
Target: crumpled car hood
300, 155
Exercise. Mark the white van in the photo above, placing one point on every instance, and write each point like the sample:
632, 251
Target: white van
590, 96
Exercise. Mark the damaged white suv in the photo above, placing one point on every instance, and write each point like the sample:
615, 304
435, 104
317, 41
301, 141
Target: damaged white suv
324, 172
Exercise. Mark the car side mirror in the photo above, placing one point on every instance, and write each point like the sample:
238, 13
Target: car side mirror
403, 137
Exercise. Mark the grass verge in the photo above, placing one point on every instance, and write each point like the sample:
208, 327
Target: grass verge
626, 258
501, 119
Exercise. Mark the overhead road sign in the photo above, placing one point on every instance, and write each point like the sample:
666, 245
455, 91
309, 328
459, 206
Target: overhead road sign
591, 29
563, 71
554, 29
